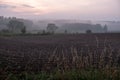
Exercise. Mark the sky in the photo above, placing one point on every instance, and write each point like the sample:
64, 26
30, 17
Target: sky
61, 9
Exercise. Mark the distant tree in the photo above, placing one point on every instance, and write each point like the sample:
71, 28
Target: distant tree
88, 31
23, 30
14, 18
105, 28
98, 25
1, 17
66, 31
43, 32
98, 28
51, 28
15, 25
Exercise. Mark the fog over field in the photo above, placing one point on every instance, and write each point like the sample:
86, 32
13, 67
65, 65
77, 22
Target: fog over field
112, 25
62, 12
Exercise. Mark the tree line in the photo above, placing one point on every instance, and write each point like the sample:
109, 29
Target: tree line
16, 26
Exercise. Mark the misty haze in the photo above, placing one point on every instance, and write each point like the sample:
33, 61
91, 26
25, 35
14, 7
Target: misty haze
59, 40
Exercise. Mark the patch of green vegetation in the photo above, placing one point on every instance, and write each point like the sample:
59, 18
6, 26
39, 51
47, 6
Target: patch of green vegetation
67, 75
25, 34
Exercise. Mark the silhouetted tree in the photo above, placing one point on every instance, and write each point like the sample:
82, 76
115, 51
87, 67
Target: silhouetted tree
88, 31
23, 30
51, 28
66, 31
105, 28
43, 32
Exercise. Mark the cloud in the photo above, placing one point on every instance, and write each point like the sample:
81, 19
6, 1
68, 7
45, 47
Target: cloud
62, 8
7, 6
25, 5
